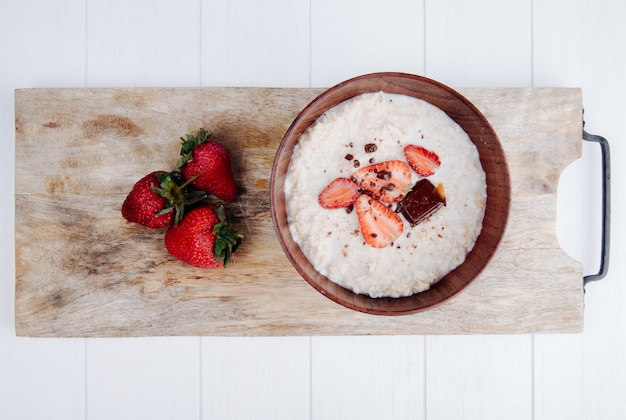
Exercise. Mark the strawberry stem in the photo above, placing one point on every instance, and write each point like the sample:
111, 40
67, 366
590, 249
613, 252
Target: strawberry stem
178, 194
227, 240
189, 143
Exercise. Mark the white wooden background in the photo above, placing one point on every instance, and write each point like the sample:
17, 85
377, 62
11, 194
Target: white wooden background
317, 43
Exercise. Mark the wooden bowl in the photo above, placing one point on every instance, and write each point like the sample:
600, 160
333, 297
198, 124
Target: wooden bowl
492, 160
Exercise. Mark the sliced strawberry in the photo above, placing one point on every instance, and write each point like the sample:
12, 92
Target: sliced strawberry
380, 226
387, 181
340, 193
423, 161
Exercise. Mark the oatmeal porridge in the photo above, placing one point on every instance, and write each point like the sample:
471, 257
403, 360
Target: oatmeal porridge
376, 130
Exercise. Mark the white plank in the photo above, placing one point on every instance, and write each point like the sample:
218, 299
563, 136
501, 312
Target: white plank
604, 364
40, 378
484, 43
255, 378
479, 44
368, 378
354, 37
51, 53
558, 377
557, 63
43, 45
143, 378
255, 44
557, 43
479, 377
261, 43
143, 43
583, 377
558, 359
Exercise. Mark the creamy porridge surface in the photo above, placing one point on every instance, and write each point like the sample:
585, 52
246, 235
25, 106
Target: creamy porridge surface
330, 238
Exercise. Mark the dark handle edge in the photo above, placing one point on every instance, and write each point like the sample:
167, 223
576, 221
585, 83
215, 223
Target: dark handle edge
606, 206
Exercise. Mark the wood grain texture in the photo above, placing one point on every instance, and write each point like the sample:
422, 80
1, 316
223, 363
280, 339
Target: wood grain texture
81, 270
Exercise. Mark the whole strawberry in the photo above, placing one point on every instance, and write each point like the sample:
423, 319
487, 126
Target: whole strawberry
204, 238
210, 162
158, 199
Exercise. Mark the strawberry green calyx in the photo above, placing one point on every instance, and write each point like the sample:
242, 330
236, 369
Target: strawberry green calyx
227, 240
177, 193
209, 161
189, 143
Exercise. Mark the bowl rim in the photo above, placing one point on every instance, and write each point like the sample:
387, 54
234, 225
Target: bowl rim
482, 134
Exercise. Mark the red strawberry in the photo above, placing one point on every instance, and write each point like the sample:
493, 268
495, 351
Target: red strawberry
387, 181
158, 199
423, 161
210, 162
340, 193
204, 238
380, 226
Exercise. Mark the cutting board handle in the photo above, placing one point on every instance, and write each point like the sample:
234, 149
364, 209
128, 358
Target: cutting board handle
606, 206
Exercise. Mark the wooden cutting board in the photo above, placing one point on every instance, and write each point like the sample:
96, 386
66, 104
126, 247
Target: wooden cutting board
83, 271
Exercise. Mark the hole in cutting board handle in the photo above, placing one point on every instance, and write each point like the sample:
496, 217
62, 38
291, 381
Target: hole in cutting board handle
583, 208
569, 211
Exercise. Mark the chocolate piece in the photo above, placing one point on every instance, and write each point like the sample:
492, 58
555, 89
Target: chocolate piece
420, 202
384, 175
370, 148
